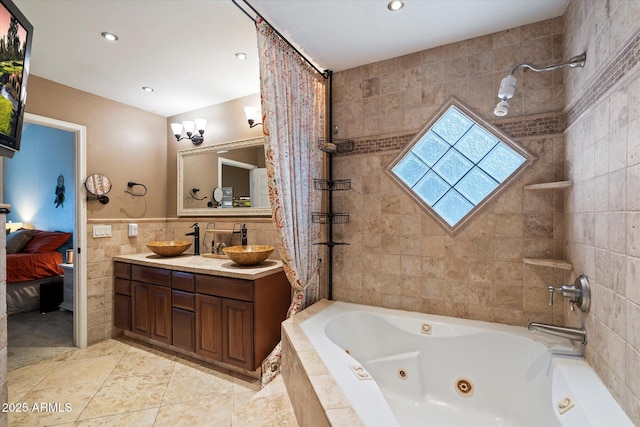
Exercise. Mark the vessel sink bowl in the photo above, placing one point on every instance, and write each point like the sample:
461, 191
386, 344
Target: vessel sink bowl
249, 254
169, 247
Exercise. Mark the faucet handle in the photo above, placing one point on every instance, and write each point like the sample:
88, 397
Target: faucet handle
551, 290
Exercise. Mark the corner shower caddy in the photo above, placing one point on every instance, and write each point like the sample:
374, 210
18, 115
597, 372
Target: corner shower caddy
331, 147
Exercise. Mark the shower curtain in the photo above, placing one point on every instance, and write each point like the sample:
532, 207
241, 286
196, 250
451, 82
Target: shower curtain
293, 108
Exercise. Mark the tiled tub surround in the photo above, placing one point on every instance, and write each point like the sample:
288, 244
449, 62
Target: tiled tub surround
398, 350
603, 207
398, 256
479, 275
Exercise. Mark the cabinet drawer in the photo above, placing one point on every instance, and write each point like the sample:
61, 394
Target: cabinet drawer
224, 287
122, 286
155, 276
183, 281
121, 269
183, 300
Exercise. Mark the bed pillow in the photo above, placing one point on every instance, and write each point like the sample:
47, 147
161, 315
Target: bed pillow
17, 240
45, 241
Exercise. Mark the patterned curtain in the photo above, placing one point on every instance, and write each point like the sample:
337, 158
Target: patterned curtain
293, 108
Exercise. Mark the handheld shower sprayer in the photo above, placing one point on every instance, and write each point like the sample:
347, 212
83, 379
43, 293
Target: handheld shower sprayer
508, 84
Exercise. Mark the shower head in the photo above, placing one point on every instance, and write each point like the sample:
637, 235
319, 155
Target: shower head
506, 91
507, 87
508, 84
502, 109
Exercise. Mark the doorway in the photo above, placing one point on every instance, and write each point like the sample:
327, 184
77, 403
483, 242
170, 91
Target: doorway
79, 275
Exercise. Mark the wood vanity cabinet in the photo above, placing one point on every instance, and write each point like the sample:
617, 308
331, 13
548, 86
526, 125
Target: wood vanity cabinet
230, 320
151, 302
238, 320
122, 295
183, 307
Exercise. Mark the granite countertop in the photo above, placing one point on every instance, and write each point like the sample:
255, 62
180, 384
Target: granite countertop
200, 264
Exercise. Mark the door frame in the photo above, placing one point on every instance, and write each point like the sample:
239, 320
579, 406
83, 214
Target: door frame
80, 330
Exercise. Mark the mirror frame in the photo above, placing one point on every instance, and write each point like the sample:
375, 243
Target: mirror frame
181, 154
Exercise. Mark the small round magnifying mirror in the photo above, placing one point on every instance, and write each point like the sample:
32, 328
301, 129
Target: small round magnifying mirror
98, 185
217, 195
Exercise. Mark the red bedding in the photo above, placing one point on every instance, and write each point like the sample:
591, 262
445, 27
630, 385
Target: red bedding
22, 267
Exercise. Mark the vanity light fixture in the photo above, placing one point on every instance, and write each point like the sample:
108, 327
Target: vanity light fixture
109, 36
251, 113
199, 124
395, 5
241, 56
508, 84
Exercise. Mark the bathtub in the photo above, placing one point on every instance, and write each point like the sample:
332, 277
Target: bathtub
398, 368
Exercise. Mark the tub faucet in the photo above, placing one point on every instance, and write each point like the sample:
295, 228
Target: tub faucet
579, 293
196, 238
575, 334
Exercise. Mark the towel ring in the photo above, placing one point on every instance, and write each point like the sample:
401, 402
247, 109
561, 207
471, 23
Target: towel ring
131, 184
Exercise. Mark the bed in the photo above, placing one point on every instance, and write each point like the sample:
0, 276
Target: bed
32, 262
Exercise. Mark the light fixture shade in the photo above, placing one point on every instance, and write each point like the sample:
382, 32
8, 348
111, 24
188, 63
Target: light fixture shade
251, 113
201, 124
188, 126
176, 128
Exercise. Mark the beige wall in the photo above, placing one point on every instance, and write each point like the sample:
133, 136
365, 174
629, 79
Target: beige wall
603, 208
123, 142
398, 256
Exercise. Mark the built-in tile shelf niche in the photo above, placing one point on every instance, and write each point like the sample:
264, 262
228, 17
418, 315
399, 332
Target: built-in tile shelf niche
546, 262
559, 185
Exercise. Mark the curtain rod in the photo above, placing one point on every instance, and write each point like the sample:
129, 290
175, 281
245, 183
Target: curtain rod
324, 74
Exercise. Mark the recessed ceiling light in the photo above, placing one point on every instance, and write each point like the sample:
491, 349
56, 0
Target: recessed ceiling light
109, 36
241, 56
147, 89
395, 5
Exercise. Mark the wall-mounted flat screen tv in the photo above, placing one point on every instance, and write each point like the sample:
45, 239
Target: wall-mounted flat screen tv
16, 34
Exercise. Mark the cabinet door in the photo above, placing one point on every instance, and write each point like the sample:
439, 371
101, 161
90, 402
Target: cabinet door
184, 329
141, 309
237, 333
209, 326
160, 313
122, 311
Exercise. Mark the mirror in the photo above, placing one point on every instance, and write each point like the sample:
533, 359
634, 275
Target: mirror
98, 185
238, 168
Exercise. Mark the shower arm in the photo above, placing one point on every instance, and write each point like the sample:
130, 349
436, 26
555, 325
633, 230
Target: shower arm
576, 61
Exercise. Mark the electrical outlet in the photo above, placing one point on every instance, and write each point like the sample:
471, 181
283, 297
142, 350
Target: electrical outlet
101, 231
133, 230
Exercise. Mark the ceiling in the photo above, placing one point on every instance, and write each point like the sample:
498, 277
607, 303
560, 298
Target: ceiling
184, 49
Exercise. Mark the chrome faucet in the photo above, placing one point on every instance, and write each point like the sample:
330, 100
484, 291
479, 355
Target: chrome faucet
579, 293
196, 238
580, 296
575, 334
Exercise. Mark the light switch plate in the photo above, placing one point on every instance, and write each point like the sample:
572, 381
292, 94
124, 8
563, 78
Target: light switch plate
133, 230
101, 231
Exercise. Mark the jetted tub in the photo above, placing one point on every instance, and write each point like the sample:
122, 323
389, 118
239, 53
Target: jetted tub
399, 368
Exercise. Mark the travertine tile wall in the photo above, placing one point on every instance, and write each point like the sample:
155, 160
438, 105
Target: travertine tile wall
603, 208
398, 256
100, 252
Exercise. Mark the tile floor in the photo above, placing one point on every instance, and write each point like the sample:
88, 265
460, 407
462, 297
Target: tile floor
124, 383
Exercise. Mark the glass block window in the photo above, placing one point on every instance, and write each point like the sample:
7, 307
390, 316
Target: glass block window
456, 164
